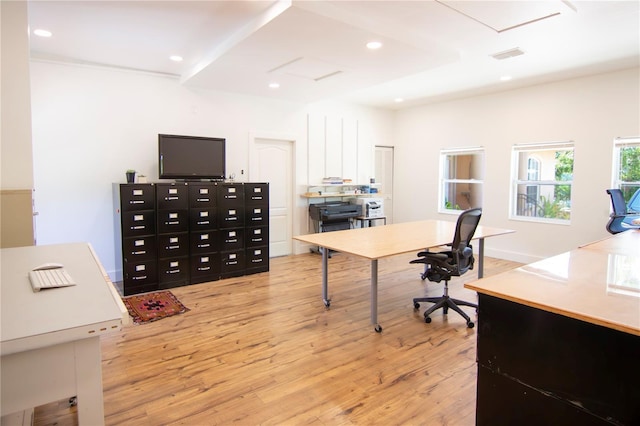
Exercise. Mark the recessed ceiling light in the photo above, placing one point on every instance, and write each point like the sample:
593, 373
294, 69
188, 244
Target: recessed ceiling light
176, 58
398, 100
505, 78
274, 85
42, 33
373, 45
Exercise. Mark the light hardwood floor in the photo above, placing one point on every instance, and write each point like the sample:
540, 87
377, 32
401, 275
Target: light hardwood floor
262, 349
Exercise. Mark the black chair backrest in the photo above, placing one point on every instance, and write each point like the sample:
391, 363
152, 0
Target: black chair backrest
617, 202
465, 228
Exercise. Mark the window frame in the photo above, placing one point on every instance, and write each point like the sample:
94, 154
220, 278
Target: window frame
515, 182
618, 144
444, 181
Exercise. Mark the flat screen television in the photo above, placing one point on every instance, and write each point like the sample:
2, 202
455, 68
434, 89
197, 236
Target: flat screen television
191, 157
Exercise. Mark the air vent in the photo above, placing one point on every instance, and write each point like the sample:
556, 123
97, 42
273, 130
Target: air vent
508, 54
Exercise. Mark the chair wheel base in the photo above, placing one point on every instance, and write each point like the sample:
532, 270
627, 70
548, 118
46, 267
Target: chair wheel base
427, 319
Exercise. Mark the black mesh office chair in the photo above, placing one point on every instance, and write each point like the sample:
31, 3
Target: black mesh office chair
451, 263
620, 219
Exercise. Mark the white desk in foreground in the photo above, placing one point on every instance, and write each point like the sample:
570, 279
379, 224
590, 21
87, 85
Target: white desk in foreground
50, 341
390, 240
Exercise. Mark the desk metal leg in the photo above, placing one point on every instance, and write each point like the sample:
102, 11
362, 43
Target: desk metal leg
325, 273
481, 258
374, 295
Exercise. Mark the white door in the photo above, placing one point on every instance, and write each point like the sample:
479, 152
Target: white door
271, 160
384, 176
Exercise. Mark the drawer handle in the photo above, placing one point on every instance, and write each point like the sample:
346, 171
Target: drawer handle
136, 202
255, 240
138, 227
139, 252
204, 269
231, 241
202, 200
231, 218
256, 261
204, 245
143, 277
172, 222
235, 262
204, 222
174, 271
172, 247
171, 198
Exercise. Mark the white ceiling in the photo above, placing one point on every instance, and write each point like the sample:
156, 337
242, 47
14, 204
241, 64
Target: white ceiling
432, 49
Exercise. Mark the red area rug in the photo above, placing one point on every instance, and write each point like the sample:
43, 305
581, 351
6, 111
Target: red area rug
150, 307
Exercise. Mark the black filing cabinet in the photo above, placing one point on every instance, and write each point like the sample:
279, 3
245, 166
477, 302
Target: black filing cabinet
256, 227
136, 243
204, 235
231, 224
172, 200
173, 234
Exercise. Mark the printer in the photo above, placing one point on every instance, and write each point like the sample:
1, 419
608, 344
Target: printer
369, 208
332, 216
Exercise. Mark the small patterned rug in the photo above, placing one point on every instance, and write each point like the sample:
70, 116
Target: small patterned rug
153, 306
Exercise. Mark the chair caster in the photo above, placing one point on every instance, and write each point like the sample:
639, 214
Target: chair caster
378, 328
73, 401
416, 305
427, 319
470, 324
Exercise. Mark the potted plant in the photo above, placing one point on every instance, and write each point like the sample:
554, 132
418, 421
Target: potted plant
131, 176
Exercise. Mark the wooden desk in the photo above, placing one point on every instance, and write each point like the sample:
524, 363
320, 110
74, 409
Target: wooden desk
559, 339
377, 242
50, 342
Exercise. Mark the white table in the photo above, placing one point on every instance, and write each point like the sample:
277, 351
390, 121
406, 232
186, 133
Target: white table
377, 242
50, 341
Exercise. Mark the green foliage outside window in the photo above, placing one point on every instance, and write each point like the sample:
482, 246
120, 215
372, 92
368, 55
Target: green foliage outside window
629, 169
564, 172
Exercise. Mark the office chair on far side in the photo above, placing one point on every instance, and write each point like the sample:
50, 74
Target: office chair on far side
451, 263
621, 219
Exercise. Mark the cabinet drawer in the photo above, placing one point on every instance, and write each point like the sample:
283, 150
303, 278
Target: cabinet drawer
256, 193
202, 195
202, 218
140, 273
137, 196
172, 196
205, 268
174, 270
257, 258
136, 223
230, 194
231, 239
173, 245
231, 263
255, 237
129, 289
230, 217
256, 216
204, 242
138, 249
170, 221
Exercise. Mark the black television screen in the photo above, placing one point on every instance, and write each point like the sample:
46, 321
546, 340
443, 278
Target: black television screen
191, 157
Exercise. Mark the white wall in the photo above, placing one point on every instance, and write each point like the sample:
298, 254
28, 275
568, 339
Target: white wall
590, 111
92, 124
